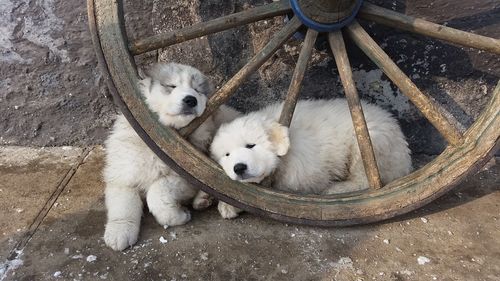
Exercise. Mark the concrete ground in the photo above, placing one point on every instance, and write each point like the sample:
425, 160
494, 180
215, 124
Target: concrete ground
52, 221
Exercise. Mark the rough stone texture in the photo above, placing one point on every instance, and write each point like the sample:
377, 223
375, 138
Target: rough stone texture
458, 234
28, 177
51, 92
460, 79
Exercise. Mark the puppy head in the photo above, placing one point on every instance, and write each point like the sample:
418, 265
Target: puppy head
177, 93
248, 148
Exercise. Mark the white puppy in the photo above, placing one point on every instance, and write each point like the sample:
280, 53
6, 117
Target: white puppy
177, 94
319, 154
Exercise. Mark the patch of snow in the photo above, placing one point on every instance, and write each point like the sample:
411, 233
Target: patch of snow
165, 226
163, 240
39, 32
443, 68
91, 258
66, 251
7, 25
57, 274
204, 256
76, 257
37, 29
386, 241
407, 272
423, 260
424, 220
8, 265
342, 263
370, 83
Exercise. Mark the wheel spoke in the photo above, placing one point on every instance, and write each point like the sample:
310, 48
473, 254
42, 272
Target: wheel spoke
364, 142
294, 89
205, 28
397, 20
230, 87
428, 108
298, 76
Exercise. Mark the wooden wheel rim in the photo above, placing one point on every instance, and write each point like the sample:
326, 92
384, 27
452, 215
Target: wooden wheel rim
401, 196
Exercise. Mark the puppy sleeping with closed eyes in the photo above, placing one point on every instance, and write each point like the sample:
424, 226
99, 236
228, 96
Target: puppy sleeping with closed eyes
318, 154
177, 94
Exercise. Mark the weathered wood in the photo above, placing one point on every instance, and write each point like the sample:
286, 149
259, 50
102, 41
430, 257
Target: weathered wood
398, 197
394, 19
358, 118
225, 92
428, 108
294, 88
297, 77
327, 11
205, 28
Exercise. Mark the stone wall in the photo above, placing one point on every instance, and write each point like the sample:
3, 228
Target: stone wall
52, 93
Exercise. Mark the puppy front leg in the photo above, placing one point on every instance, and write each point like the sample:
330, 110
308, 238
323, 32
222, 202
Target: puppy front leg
202, 200
124, 207
164, 198
356, 180
227, 211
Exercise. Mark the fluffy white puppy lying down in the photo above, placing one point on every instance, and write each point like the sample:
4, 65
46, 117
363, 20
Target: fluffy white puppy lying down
318, 154
177, 94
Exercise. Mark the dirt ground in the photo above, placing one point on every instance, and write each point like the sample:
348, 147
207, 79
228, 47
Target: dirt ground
53, 220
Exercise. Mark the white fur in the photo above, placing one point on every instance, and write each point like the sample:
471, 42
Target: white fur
132, 169
319, 153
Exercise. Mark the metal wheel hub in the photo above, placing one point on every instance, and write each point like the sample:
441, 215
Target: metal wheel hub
326, 15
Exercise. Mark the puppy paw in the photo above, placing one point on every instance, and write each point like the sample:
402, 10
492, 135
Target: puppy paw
119, 235
202, 201
172, 216
227, 211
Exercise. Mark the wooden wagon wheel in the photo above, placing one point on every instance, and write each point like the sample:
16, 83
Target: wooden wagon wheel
465, 153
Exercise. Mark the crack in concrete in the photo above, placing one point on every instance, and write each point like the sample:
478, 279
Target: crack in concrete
37, 221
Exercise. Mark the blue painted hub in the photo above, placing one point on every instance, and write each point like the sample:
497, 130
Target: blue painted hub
323, 27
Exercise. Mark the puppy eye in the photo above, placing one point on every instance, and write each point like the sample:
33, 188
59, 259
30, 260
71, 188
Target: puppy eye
250, 146
168, 86
227, 154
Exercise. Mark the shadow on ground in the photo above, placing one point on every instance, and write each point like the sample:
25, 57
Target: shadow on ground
454, 238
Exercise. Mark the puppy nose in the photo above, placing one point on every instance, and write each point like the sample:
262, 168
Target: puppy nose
190, 101
240, 168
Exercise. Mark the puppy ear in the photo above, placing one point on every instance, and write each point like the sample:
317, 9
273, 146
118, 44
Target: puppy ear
145, 85
278, 135
141, 73
211, 87
207, 86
